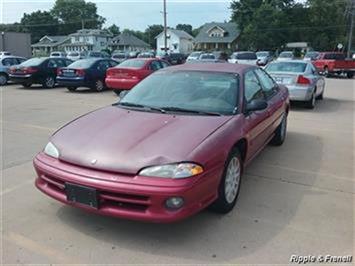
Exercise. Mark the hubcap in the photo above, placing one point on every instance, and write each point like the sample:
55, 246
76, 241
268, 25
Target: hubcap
50, 82
99, 85
232, 180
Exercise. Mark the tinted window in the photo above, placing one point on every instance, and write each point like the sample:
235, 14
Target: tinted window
207, 56
9, 62
312, 55
194, 90
252, 87
286, 55
133, 63
103, 65
294, 67
245, 56
33, 62
95, 54
155, 65
267, 83
55, 54
21, 60
85, 63
119, 56
54, 63
164, 64
262, 54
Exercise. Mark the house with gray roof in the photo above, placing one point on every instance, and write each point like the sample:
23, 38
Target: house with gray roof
127, 42
218, 36
48, 44
87, 40
178, 41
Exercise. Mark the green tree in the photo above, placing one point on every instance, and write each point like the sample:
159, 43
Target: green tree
114, 29
185, 27
150, 33
39, 23
75, 14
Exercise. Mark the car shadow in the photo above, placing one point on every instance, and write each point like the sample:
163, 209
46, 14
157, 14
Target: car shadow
269, 199
83, 90
327, 105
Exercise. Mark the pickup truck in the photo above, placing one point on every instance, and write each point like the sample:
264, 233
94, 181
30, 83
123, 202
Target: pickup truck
329, 63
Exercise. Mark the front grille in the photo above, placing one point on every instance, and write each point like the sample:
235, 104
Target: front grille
117, 200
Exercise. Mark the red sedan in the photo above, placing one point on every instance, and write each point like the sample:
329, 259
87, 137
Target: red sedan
130, 72
174, 145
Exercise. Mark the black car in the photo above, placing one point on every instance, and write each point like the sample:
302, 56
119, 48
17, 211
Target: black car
90, 73
38, 70
177, 58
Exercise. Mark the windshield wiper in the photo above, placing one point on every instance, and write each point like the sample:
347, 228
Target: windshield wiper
183, 110
136, 105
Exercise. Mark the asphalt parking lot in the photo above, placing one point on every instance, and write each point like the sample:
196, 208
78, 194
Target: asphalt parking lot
295, 199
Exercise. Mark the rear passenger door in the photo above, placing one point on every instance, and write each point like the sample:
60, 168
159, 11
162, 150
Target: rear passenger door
257, 122
101, 69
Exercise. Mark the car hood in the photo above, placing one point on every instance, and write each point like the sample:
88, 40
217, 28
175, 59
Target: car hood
125, 141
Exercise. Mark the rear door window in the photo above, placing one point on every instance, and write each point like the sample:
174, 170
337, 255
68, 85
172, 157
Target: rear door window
103, 65
52, 63
9, 62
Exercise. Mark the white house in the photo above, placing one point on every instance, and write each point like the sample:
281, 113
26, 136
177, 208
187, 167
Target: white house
178, 41
88, 40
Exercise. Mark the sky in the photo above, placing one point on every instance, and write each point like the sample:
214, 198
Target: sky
132, 14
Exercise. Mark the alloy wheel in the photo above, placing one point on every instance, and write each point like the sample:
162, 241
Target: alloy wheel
232, 180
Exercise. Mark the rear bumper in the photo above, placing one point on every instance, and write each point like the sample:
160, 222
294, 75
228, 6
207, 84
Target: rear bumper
72, 82
123, 199
121, 84
22, 78
300, 93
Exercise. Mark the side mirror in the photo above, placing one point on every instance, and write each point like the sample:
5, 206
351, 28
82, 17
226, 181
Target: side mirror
256, 105
123, 94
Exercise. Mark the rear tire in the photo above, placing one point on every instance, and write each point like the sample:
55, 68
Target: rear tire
3, 79
280, 132
71, 89
117, 92
312, 102
326, 72
229, 186
350, 75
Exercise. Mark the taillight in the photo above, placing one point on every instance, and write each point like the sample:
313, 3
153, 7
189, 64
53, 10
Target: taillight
59, 72
12, 70
109, 72
303, 80
80, 72
30, 70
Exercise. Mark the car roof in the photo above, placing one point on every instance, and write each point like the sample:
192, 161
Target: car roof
291, 61
12, 56
211, 67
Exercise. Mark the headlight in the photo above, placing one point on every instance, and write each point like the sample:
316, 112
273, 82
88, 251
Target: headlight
51, 150
179, 170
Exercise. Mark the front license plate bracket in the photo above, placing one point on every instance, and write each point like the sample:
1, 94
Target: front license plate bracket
83, 195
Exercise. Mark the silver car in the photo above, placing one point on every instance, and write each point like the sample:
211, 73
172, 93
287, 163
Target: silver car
5, 63
301, 78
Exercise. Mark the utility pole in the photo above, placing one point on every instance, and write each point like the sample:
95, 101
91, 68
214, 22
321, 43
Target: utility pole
352, 11
165, 29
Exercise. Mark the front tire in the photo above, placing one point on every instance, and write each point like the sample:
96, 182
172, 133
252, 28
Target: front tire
280, 132
229, 186
3, 79
48, 82
350, 75
71, 89
26, 85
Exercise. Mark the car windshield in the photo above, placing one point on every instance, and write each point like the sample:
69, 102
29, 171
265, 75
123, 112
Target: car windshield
195, 54
55, 54
262, 54
119, 56
245, 56
286, 55
33, 62
295, 67
132, 63
73, 54
186, 92
84, 63
207, 56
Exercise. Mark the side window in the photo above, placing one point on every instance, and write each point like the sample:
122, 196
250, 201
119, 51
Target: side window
155, 65
113, 63
68, 62
103, 65
52, 63
267, 83
8, 62
20, 60
313, 69
60, 63
164, 64
252, 87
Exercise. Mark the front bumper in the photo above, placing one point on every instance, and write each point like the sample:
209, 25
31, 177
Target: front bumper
120, 196
300, 93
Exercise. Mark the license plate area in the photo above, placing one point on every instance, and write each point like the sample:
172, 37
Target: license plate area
83, 195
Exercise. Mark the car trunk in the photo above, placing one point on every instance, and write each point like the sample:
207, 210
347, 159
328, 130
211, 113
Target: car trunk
125, 73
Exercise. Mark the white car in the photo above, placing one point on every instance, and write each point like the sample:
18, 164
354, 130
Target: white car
248, 58
194, 56
58, 54
285, 56
76, 55
4, 53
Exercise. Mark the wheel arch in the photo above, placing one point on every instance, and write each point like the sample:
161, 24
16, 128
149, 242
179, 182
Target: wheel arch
242, 146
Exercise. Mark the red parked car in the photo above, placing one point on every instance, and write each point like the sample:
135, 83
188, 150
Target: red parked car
130, 72
174, 145
330, 63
